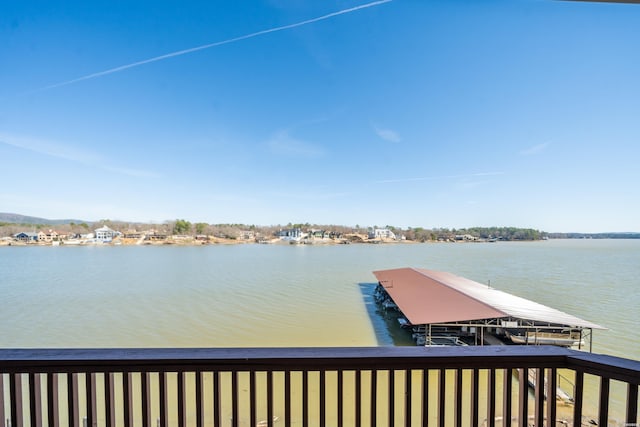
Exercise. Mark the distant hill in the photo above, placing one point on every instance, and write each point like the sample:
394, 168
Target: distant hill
24, 219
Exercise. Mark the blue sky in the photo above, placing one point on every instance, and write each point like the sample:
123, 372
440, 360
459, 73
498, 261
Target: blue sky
409, 113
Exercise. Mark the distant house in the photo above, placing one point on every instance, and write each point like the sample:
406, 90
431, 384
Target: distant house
291, 234
26, 237
105, 234
48, 236
381, 233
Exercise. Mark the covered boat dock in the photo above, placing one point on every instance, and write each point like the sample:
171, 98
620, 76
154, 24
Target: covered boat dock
444, 309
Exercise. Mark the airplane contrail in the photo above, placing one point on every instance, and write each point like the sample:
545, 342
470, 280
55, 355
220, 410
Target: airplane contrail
210, 45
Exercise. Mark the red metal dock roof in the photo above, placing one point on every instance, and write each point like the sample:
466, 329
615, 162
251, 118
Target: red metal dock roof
431, 297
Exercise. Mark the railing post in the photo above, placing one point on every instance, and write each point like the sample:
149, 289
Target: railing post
491, 398
632, 404
475, 379
457, 399
523, 396
441, 393
539, 397
604, 401
2, 399
551, 396
577, 399
506, 395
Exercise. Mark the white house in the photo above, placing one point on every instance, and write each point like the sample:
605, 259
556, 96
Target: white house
381, 233
105, 234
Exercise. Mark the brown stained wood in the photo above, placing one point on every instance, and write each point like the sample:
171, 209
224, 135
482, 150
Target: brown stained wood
552, 385
391, 381
145, 390
198, 400
408, 374
323, 398
217, 416
305, 399
358, 397
425, 398
523, 397
577, 399
270, 399
604, 401
632, 404
15, 387
340, 397
127, 398
475, 382
3, 415
53, 396
252, 398
70, 362
539, 397
287, 399
458, 399
162, 397
442, 388
491, 398
35, 405
374, 397
507, 389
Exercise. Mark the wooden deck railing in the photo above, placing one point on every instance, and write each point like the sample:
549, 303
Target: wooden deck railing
408, 386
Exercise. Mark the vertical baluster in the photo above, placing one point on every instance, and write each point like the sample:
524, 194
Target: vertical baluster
108, 400
323, 403
425, 398
305, 399
539, 397
234, 399
145, 391
358, 397
253, 403
287, 399
127, 397
491, 398
199, 403
391, 398
15, 394
442, 385
3, 416
552, 385
457, 399
181, 397
72, 399
475, 383
340, 397
407, 396
604, 401
112, 399
270, 398
523, 396
53, 400
374, 397
577, 399
90, 397
35, 403
162, 397
632, 404
217, 416
507, 382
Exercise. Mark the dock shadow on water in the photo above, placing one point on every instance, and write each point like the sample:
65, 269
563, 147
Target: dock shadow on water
384, 322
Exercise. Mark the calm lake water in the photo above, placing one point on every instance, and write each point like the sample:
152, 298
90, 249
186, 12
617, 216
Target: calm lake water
283, 295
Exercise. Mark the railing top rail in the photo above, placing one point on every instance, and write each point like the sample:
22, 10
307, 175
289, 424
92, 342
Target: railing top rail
309, 358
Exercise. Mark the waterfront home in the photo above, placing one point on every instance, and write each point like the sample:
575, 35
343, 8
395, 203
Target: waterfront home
26, 237
381, 233
48, 236
105, 234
